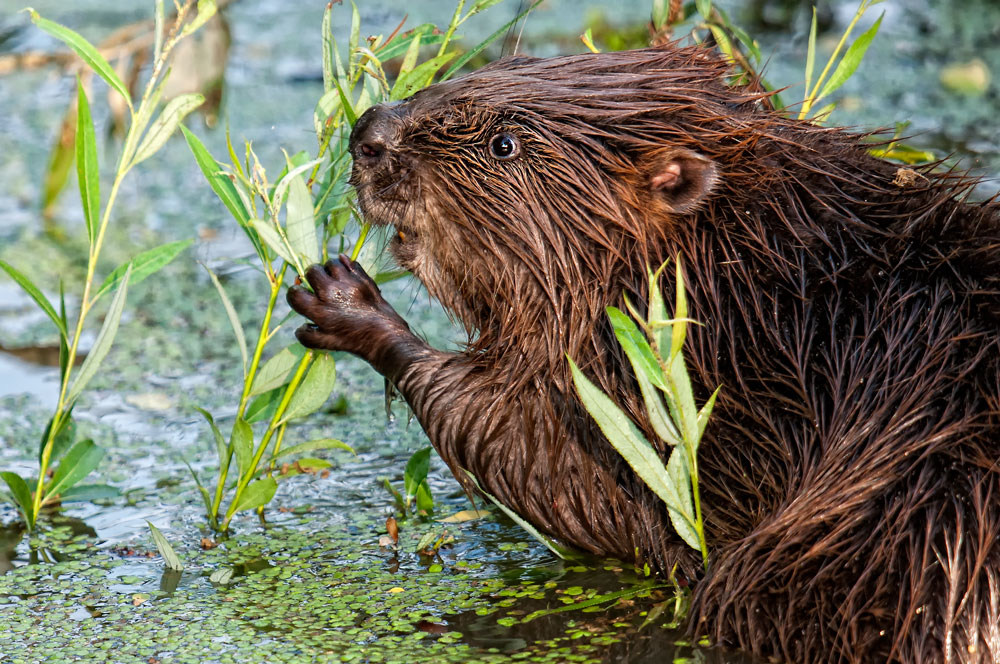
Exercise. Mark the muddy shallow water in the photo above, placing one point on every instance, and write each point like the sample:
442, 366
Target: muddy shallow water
315, 584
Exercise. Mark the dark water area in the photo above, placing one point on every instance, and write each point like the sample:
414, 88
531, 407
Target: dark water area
317, 582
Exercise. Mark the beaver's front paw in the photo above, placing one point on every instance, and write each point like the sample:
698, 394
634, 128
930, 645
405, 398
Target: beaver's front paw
347, 309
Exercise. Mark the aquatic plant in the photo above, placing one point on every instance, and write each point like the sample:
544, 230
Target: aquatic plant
145, 136
311, 195
656, 356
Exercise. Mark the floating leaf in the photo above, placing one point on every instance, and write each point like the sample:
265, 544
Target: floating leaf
163, 128
314, 389
170, 558
105, 338
222, 576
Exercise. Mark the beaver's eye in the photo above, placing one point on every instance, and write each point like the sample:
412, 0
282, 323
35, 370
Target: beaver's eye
504, 147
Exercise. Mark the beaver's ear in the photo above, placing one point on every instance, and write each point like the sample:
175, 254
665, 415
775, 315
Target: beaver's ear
682, 179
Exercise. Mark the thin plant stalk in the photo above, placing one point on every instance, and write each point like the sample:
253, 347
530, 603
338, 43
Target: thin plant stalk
300, 373
810, 99
265, 334
124, 165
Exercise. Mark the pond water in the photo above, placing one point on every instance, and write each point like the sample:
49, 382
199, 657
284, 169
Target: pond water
317, 582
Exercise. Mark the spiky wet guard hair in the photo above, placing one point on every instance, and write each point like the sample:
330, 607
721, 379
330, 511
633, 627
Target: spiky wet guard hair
849, 474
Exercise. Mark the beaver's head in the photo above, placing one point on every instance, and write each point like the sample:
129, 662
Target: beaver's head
531, 179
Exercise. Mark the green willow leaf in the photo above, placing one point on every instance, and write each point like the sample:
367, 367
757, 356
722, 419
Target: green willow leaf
478, 48
64, 438
410, 59
220, 183
263, 407
345, 103
102, 344
164, 126
277, 371
170, 557
270, 237
811, 54
420, 77
220, 442
300, 225
206, 10
234, 319
312, 446
21, 495
85, 50
416, 471
241, 441
28, 287
424, 499
625, 437
636, 347
704, 414
79, 462
681, 508
143, 265
87, 171
679, 328
562, 552
257, 494
849, 63
314, 389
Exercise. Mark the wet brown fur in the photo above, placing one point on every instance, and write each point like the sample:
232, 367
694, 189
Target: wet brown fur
849, 473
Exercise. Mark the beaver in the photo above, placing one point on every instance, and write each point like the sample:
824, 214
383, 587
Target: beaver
849, 471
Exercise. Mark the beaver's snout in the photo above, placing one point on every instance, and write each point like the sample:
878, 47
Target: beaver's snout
375, 133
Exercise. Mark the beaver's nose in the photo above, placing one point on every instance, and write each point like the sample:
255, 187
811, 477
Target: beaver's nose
375, 133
